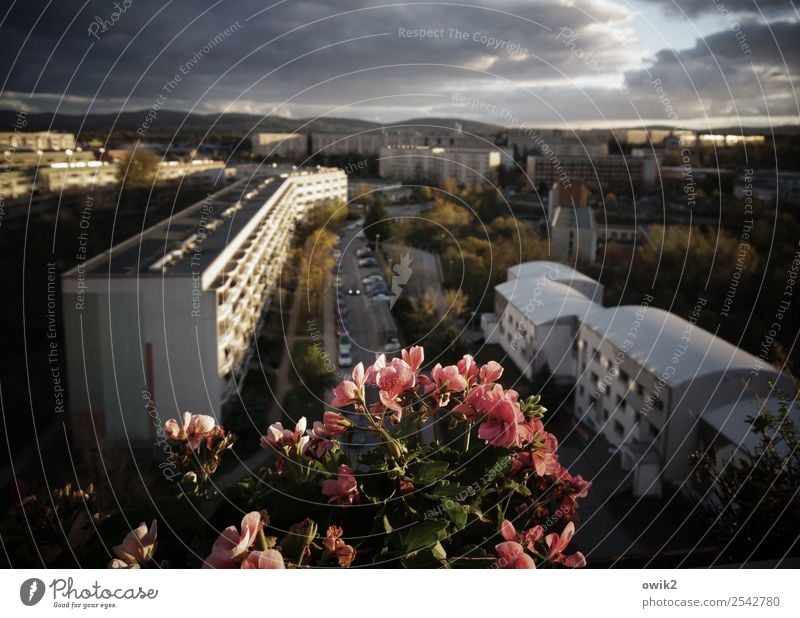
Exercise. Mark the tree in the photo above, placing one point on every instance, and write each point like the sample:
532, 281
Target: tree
750, 506
377, 221
139, 170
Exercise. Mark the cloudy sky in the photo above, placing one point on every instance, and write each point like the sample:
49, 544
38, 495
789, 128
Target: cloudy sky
578, 63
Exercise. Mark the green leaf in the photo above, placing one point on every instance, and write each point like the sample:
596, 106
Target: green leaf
430, 472
456, 512
420, 535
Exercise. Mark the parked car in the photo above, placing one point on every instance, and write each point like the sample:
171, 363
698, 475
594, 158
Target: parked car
337, 254
377, 288
345, 360
351, 227
392, 345
364, 252
373, 278
345, 344
354, 291
369, 262
341, 328
381, 297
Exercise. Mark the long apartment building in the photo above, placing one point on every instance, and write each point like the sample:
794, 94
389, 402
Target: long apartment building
655, 385
439, 164
164, 322
604, 172
37, 140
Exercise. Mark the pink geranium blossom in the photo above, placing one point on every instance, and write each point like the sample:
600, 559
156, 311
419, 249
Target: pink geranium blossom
491, 372
232, 545
557, 543
277, 437
195, 427
511, 555
343, 489
394, 380
468, 368
137, 547
413, 357
335, 423
500, 426
527, 538
350, 392
267, 559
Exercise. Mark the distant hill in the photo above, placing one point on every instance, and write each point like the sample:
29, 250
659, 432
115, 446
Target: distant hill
237, 124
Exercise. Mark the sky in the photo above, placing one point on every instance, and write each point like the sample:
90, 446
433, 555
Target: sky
577, 64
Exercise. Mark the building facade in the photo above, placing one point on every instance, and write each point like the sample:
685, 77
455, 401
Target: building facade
165, 321
465, 165
283, 145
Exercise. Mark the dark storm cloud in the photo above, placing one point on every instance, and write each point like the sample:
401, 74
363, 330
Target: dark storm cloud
696, 7
303, 58
719, 76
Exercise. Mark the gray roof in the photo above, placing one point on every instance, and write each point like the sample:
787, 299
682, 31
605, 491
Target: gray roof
660, 335
543, 301
730, 420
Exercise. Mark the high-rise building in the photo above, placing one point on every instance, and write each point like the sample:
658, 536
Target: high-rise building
164, 322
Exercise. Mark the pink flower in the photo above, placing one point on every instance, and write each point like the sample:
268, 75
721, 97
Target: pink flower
511, 555
394, 380
318, 442
332, 538
195, 428
344, 489
137, 547
449, 378
413, 357
372, 371
491, 372
267, 559
526, 539
468, 368
335, 423
277, 437
503, 417
557, 543
469, 408
232, 545
350, 391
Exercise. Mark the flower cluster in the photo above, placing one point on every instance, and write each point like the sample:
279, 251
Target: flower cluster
203, 443
137, 548
511, 553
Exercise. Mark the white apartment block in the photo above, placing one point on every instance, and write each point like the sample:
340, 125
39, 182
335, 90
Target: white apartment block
39, 140
465, 165
15, 184
76, 175
164, 322
656, 386
284, 145
21, 159
198, 170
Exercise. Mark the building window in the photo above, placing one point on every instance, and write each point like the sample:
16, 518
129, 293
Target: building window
623, 377
619, 428
580, 390
605, 414
640, 390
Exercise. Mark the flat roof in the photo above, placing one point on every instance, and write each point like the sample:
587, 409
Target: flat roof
543, 300
660, 334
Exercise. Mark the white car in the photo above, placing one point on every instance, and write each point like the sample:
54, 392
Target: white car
381, 298
345, 359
